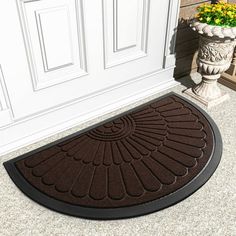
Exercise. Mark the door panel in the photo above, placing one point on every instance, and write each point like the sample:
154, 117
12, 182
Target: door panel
147, 54
126, 15
70, 50
54, 36
125, 30
56, 42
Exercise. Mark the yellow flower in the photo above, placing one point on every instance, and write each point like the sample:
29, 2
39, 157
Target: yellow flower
217, 21
207, 10
220, 13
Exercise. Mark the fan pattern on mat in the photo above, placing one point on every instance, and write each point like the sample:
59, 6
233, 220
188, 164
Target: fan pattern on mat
136, 154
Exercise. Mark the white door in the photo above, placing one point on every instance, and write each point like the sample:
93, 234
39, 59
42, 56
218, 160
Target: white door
58, 51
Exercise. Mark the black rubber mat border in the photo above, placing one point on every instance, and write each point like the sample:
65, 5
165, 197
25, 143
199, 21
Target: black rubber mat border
120, 212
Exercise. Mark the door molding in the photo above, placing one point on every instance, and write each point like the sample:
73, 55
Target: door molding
36, 17
114, 54
173, 16
5, 109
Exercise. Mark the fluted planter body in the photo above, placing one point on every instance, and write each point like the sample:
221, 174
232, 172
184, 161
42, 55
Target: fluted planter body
216, 47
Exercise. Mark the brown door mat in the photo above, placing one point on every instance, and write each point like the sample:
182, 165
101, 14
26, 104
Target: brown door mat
136, 163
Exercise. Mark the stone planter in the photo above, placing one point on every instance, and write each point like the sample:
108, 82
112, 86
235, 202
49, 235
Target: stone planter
216, 47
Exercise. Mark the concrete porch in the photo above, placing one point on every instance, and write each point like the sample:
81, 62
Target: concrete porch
210, 211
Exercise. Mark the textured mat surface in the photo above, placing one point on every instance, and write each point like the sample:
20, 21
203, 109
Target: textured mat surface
140, 162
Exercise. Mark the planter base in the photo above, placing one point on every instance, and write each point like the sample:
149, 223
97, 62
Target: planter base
207, 102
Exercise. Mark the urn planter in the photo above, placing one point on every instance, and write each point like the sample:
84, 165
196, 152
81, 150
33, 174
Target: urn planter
216, 47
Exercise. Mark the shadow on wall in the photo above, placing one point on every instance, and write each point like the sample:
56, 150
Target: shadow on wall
186, 49
187, 39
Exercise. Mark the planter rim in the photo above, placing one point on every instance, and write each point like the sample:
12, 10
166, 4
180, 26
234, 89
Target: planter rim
213, 30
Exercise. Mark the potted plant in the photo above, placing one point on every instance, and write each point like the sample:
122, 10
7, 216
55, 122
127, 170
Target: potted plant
216, 25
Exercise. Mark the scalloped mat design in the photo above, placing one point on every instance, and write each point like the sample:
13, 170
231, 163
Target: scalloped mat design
139, 157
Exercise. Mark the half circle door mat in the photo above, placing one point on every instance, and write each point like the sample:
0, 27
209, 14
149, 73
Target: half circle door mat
139, 162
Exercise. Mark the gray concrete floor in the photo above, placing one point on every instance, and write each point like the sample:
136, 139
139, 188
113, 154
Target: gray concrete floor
210, 211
